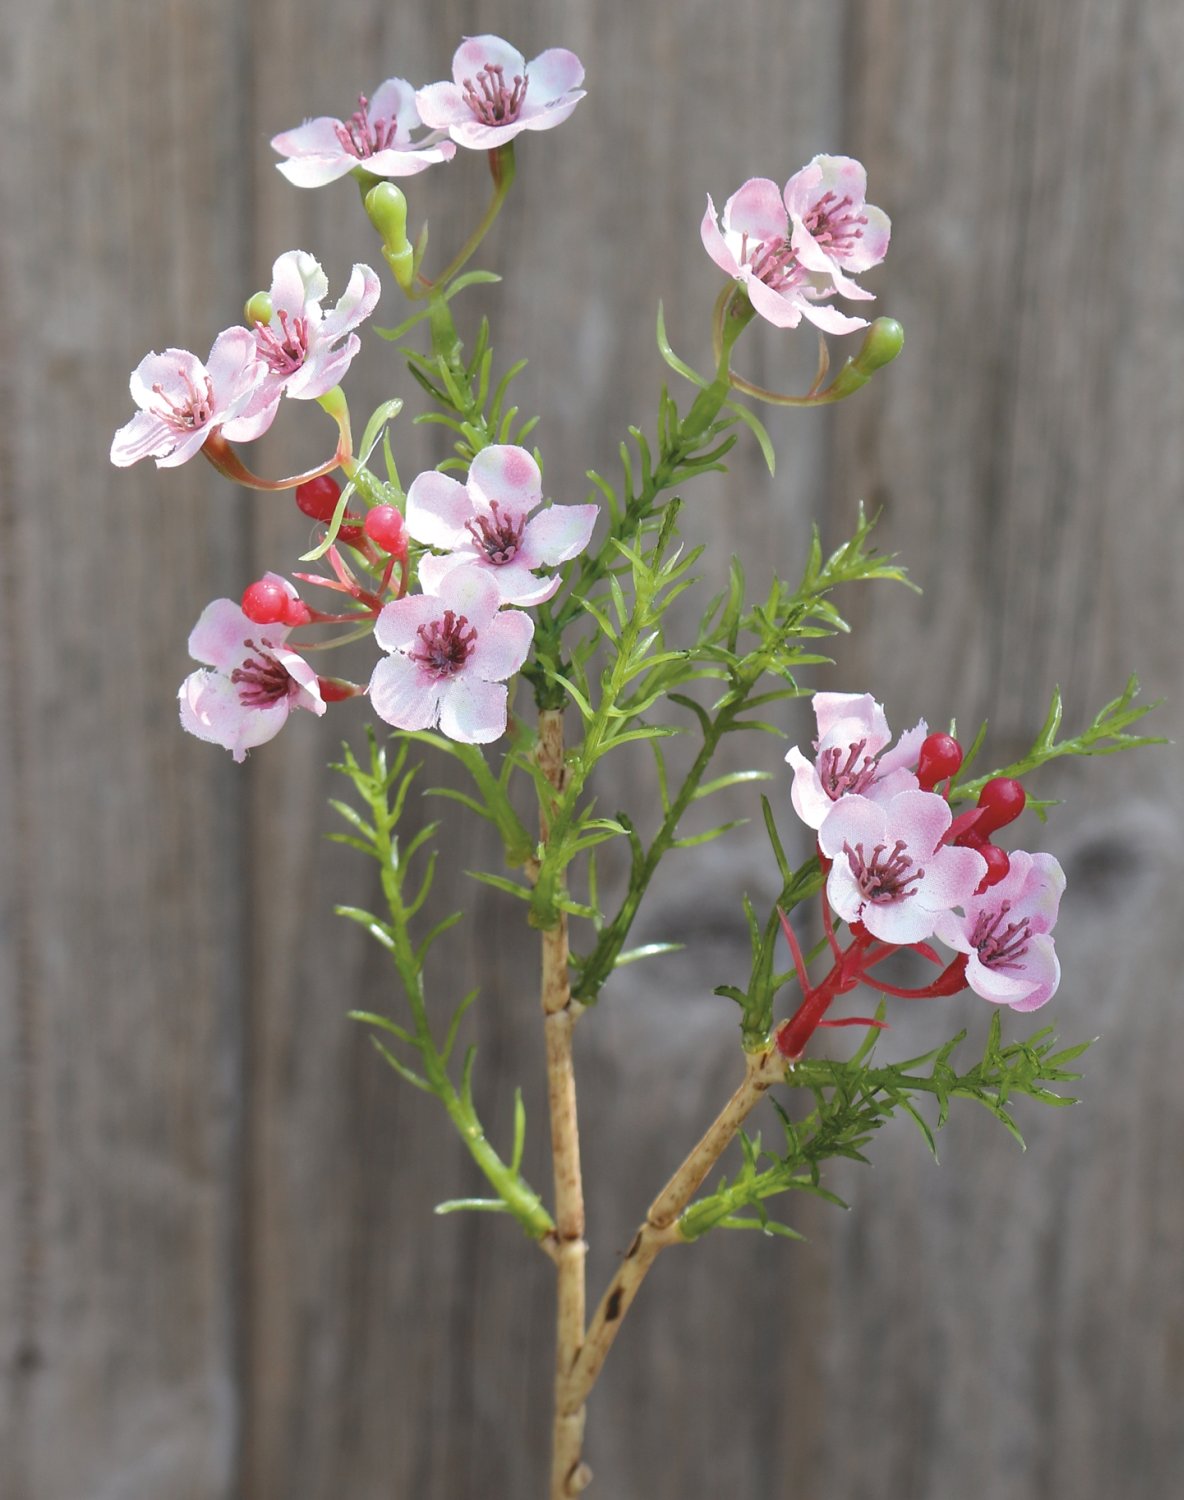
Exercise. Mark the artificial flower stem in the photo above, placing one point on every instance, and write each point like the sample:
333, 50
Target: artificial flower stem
560, 1013
230, 466
661, 1224
503, 169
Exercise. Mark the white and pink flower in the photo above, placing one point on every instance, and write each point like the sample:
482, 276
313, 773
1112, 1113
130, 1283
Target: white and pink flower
450, 655
1005, 933
891, 871
182, 401
305, 351
255, 683
850, 757
493, 523
375, 138
496, 93
792, 249
835, 230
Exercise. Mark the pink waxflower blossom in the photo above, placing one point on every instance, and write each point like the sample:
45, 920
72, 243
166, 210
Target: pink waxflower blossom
376, 138
182, 401
451, 653
490, 523
1005, 933
787, 267
255, 683
850, 757
891, 870
495, 93
835, 229
305, 352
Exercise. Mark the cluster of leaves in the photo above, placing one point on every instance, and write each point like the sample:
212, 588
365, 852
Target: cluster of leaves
413, 1050
853, 1099
1105, 735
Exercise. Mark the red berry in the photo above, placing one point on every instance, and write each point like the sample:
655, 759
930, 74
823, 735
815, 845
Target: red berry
998, 865
940, 757
266, 602
384, 526
318, 497
1002, 800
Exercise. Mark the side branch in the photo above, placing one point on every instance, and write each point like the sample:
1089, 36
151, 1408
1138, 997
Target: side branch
660, 1226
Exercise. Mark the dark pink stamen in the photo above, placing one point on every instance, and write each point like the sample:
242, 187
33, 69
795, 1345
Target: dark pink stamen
187, 415
261, 680
839, 777
285, 351
773, 262
883, 877
362, 136
498, 537
445, 644
496, 104
1001, 949
834, 224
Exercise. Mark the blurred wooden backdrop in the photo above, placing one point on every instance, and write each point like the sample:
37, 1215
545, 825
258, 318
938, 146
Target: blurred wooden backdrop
220, 1275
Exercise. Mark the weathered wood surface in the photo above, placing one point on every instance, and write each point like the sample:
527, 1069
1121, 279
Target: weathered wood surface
220, 1275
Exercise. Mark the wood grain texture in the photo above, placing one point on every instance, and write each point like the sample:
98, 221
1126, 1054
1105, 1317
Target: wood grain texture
220, 1273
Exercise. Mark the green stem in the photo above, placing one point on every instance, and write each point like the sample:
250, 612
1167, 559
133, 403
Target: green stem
521, 1199
504, 169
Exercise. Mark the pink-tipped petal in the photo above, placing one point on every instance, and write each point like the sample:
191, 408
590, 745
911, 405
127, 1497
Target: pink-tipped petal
354, 305
502, 646
477, 52
473, 712
553, 73
507, 474
756, 209
714, 242
403, 695
557, 534
437, 509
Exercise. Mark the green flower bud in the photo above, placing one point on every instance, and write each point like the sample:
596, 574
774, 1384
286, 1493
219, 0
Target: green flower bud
881, 344
386, 207
258, 310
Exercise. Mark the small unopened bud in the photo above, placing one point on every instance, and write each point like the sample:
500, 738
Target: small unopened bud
386, 207
881, 344
268, 602
385, 527
940, 757
1001, 800
318, 498
258, 310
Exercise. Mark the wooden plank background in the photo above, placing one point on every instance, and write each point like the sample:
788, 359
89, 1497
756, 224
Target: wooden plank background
220, 1275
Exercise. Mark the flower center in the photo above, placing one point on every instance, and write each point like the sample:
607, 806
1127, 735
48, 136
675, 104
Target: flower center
284, 351
773, 262
444, 645
194, 411
834, 224
1001, 949
884, 877
839, 777
491, 100
261, 680
498, 537
362, 136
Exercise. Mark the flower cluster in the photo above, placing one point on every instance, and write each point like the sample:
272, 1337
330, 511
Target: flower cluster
494, 94
902, 869
792, 250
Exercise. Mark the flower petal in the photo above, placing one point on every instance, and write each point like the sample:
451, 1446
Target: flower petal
507, 474
473, 712
757, 210
553, 73
557, 534
477, 52
403, 694
437, 509
501, 646
354, 305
